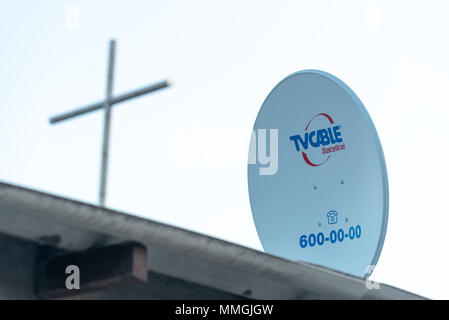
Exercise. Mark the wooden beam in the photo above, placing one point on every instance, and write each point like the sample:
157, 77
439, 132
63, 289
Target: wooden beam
99, 269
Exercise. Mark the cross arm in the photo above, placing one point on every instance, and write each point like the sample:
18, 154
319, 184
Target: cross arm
118, 99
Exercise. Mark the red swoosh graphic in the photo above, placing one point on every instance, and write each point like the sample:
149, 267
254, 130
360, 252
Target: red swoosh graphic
310, 163
321, 114
306, 159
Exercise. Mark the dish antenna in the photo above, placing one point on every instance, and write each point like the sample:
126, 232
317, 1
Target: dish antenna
327, 201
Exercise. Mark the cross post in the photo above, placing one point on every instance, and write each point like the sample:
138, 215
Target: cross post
107, 123
107, 106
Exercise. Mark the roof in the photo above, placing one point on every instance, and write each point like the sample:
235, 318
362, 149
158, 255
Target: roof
174, 253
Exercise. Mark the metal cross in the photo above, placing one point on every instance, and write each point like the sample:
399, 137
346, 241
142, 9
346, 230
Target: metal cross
106, 105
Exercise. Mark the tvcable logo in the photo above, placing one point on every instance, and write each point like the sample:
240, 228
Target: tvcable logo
319, 138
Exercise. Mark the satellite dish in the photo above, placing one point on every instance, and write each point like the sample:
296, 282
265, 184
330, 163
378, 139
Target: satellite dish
325, 199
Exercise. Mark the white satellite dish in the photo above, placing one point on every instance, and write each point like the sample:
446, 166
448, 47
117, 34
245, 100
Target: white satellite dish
327, 203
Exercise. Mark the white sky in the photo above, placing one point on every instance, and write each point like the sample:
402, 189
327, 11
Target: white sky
224, 58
